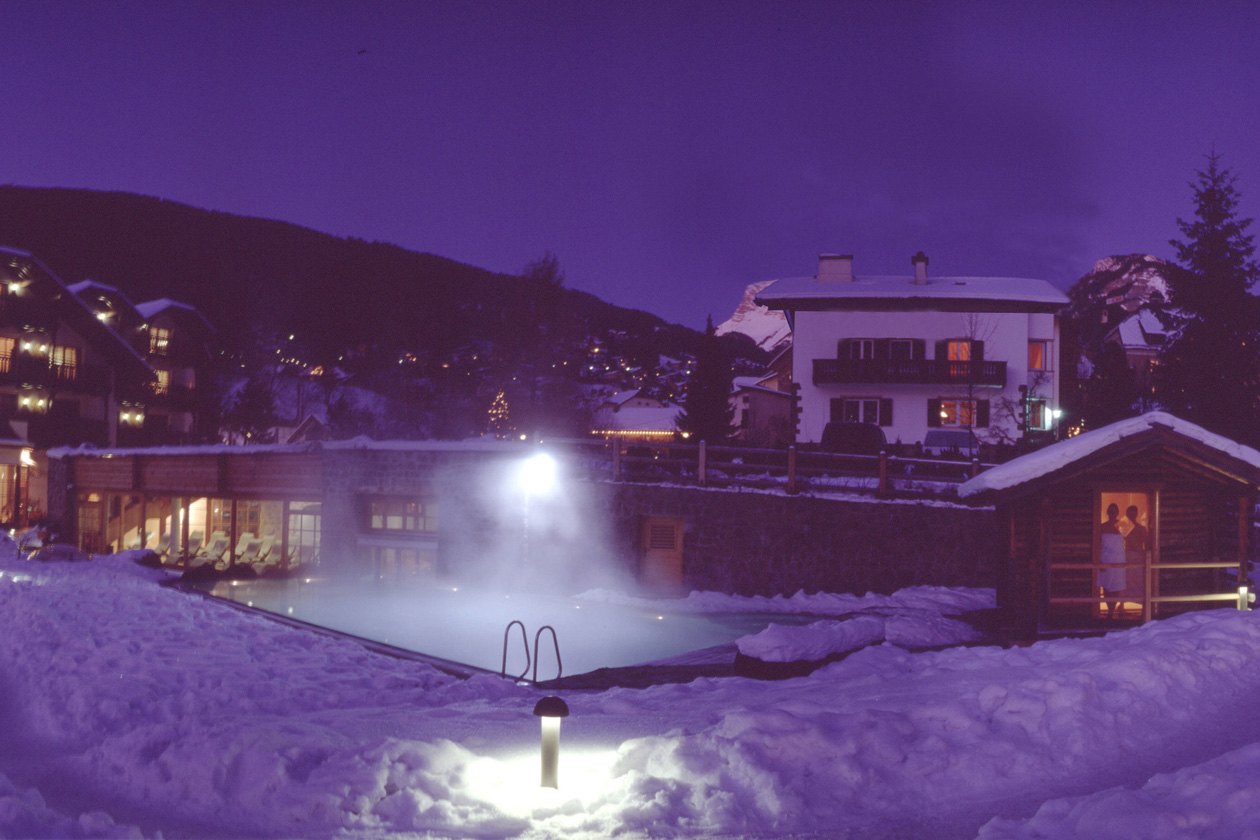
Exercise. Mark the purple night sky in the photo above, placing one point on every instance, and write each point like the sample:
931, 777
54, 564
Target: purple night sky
668, 153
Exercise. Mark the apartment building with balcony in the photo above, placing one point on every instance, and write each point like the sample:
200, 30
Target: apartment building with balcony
175, 339
974, 357
81, 365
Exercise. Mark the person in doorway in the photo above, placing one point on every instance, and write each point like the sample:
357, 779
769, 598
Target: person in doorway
1136, 545
1111, 551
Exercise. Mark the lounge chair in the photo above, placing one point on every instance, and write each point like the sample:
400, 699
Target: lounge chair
163, 547
263, 559
212, 553
246, 553
235, 558
195, 540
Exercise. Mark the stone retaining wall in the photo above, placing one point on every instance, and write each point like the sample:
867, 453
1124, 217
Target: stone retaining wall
764, 544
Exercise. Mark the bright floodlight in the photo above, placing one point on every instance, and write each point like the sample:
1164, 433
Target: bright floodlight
538, 474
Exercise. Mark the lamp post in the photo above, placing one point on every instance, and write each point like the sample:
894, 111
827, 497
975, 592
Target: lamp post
550, 710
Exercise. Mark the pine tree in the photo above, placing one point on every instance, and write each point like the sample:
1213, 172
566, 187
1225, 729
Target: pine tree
1209, 370
707, 409
252, 414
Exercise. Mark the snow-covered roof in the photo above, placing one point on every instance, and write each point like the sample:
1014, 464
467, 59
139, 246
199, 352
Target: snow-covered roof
152, 308
1138, 328
634, 419
359, 443
792, 291
1065, 453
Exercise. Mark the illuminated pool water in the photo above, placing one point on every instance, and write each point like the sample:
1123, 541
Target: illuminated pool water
467, 626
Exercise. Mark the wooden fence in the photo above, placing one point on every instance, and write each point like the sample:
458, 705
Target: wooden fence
792, 470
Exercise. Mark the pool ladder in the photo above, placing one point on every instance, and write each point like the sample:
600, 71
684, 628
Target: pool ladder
525, 643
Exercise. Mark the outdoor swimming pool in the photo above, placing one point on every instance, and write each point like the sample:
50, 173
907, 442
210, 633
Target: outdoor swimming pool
464, 625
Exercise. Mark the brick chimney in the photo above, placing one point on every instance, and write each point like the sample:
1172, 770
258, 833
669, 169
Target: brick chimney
920, 261
835, 268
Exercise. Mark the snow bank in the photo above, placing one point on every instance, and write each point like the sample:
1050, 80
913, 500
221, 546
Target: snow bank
1217, 800
135, 704
938, 599
811, 642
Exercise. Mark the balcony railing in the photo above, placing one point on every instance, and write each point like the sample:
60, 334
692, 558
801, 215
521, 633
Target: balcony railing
39, 372
908, 372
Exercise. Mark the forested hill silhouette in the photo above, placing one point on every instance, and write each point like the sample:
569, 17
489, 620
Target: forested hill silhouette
335, 293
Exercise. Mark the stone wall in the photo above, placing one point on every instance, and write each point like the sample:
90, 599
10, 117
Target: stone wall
765, 544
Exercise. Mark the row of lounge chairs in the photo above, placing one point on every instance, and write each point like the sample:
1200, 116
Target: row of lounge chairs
259, 554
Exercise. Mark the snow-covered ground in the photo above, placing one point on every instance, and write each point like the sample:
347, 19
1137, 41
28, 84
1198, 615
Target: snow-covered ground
129, 709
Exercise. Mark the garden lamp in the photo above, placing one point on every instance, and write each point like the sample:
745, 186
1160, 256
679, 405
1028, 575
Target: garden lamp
550, 710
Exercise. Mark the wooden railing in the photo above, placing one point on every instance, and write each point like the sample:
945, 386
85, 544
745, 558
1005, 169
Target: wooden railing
791, 470
909, 372
1150, 572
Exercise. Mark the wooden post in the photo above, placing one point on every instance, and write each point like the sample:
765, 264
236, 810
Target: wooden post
1245, 505
703, 466
975, 465
791, 469
883, 473
616, 453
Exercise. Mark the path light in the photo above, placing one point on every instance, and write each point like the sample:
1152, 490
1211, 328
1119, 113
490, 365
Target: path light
538, 475
551, 709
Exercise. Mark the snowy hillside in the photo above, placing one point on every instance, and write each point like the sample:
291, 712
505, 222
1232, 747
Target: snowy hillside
767, 327
134, 710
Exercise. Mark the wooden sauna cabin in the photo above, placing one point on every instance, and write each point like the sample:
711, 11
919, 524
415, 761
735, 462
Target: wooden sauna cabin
1142, 519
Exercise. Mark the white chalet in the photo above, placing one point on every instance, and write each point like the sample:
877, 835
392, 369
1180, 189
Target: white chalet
917, 353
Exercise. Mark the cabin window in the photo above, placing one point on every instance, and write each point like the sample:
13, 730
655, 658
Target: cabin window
7, 345
159, 341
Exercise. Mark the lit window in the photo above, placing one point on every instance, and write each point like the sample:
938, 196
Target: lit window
401, 514
163, 384
159, 340
958, 412
959, 351
1038, 416
1039, 355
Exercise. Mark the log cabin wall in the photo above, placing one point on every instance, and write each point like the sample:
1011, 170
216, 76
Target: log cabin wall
1196, 522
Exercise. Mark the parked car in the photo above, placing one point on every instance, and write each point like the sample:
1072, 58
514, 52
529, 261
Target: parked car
853, 439
61, 553
958, 443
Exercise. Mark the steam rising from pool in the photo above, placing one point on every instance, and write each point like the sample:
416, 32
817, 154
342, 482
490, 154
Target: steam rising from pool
525, 526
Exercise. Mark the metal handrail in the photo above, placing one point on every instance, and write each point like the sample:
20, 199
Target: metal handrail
525, 643
555, 641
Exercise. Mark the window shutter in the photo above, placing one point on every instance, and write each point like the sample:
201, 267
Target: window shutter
982, 413
885, 411
919, 350
942, 350
882, 351
934, 413
837, 409
977, 351
842, 349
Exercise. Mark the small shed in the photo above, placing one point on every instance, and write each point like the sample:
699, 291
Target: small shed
1142, 519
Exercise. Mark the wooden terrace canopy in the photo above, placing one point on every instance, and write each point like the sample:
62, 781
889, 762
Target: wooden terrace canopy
1145, 518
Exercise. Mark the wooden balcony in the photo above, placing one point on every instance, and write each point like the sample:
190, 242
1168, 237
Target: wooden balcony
39, 372
908, 372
